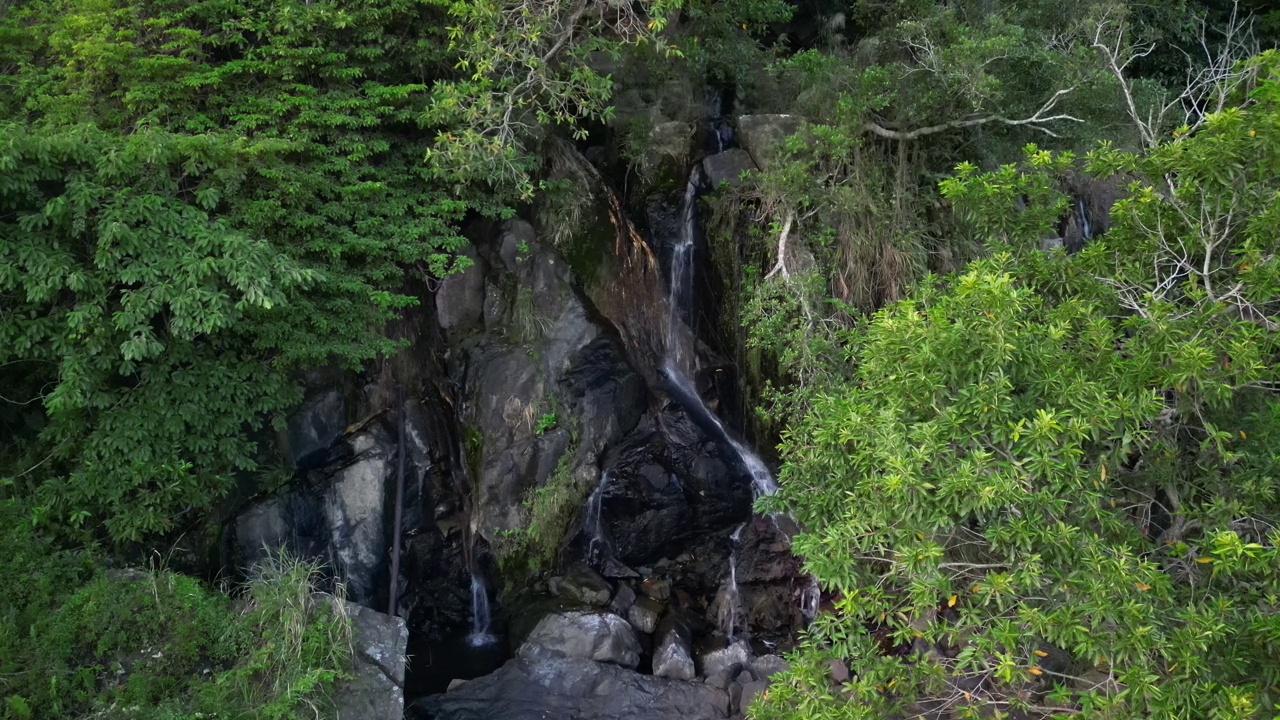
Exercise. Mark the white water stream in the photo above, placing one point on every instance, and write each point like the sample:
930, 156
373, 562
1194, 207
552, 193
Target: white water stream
481, 632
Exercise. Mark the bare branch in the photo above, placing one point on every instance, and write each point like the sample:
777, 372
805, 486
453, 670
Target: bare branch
1038, 121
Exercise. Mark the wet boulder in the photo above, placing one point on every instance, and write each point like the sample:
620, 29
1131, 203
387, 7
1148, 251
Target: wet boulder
673, 654
670, 486
599, 636
644, 614
723, 661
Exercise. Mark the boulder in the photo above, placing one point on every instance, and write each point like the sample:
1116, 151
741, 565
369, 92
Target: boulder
749, 692
667, 149
354, 507
583, 586
725, 661
599, 636
335, 515
657, 588
574, 689
727, 167
622, 599
673, 656
376, 686
766, 666
644, 614
762, 136
515, 238
838, 670
460, 297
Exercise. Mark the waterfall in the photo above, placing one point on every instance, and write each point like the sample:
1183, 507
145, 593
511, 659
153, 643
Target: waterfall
481, 633
678, 368
597, 543
729, 613
809, 600
677, 365
1086, 231
679, 338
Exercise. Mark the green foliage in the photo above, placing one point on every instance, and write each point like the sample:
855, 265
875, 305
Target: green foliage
1051, 484
161, 645
524, 65
549, 509
546, 422
198, 199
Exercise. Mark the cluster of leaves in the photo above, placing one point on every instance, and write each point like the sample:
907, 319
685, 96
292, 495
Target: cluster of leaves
160, 645
1050, 485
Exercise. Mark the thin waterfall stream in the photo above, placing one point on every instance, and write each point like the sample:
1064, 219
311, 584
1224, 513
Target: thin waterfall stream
597, 543
481, 619
678, 366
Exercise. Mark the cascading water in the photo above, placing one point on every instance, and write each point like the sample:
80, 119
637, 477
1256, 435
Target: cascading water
729, 612
1086, 230
597, 543
481, 632
679, 340
678, 367
809, 599
680, 352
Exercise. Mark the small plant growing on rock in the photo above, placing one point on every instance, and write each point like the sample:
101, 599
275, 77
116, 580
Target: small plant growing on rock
546, 423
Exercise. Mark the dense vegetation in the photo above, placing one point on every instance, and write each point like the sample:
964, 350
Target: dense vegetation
1031, 481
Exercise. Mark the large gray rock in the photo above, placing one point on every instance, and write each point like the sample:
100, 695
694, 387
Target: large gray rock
375, 689
762, 136
548, 355
727, 167
338, 516
673, 656
354, 506
460, 297
600, 636
574, 689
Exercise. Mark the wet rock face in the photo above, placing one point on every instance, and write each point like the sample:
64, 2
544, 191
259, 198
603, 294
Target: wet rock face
574, 689
771, 584
338, 515
314, 428
668, 489
342, 514
548, 358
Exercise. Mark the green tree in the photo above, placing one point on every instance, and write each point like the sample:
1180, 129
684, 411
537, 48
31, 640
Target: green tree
1051, 485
